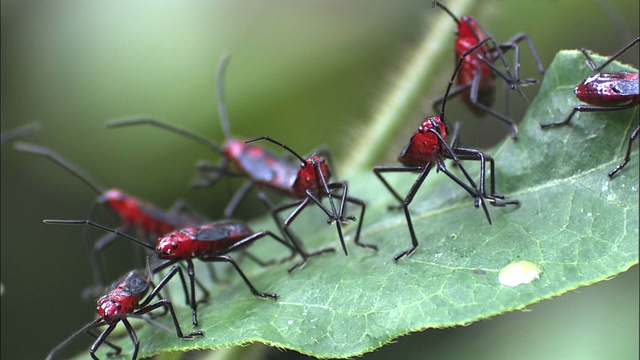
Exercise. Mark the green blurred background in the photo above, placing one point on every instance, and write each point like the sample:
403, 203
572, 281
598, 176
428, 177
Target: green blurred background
308, 73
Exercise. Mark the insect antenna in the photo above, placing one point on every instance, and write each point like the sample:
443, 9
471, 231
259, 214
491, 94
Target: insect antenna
222, 105
63, 162
446, 10
94, 224
174, 129
302, 160
455, 73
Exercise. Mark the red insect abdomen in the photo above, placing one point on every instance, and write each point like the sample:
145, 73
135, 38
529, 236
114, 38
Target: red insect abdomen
261, 166
133, 211
600, 89
198, 242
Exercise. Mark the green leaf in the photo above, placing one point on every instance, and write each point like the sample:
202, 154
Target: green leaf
574, 227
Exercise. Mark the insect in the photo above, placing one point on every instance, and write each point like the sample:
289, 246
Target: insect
476, 79
131, 211
208, 243
310, 184
19, 132
607, 91
261, 168
123, 301
428, 147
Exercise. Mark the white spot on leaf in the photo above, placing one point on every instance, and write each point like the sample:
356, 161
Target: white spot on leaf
518, 273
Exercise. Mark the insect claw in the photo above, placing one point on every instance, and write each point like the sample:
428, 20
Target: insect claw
268, 296
508, 202
407, 252
527, 82
322, 251
191, 335
500, 200
297, 266
347, 219
369, 246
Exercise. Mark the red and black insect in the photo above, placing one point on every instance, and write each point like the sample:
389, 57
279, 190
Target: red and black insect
428, 147
209, 243
607, 91
476, 79
311, 184
123, 301
19, 132
147, 218
261, 168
